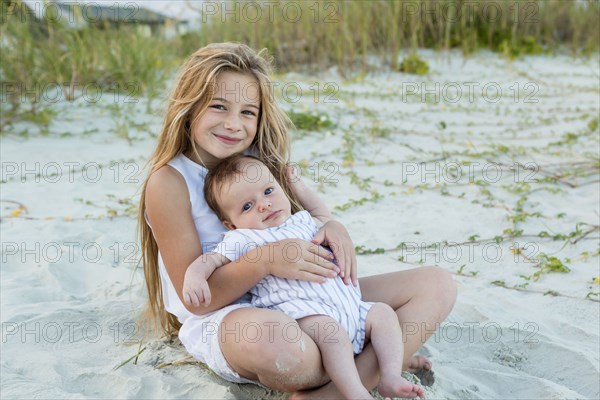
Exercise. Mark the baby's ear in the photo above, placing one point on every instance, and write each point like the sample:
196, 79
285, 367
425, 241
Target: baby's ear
229, 225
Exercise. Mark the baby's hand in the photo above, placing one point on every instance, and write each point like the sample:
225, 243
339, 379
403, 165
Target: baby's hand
195, 288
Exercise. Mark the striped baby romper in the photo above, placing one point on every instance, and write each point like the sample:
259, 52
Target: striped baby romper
298, 298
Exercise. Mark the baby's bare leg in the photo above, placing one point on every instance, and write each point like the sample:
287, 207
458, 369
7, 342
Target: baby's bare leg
383, 328
337, 354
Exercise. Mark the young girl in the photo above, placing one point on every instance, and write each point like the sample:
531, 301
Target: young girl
222, 104
251, 203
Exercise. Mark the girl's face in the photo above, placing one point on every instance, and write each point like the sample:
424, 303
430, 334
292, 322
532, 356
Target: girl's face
230, 123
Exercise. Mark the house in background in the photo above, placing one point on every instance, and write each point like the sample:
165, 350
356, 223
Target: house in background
148, 22
110, 16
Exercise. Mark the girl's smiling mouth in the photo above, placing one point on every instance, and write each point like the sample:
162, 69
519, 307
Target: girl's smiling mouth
227, 139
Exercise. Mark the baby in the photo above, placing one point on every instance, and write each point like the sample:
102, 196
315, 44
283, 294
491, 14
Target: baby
256, 210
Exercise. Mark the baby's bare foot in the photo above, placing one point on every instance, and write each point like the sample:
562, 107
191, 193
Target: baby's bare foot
396, 386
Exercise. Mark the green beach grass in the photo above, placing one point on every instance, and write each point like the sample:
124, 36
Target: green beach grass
352, 35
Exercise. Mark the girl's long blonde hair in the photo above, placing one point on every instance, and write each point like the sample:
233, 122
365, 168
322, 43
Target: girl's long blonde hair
188, 101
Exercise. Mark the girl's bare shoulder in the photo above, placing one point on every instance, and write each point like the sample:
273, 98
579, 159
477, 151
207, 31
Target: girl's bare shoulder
166, 188
166, 179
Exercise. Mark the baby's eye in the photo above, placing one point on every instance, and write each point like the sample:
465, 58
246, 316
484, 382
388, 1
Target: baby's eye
269, 190
247, 206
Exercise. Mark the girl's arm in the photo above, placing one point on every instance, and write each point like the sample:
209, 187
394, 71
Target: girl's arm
308, 198
169, 212
332, 233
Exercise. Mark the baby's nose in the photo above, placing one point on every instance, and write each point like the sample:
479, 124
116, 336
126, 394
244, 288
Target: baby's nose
264, 205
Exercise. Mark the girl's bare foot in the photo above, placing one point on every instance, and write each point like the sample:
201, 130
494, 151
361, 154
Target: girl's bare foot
327, 391
399, 387
421, 367
418, 363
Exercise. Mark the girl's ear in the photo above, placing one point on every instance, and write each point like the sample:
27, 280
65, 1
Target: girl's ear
229, 225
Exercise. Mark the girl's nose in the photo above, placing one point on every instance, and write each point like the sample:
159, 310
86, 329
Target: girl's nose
232, 123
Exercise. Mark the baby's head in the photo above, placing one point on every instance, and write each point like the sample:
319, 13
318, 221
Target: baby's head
244, 194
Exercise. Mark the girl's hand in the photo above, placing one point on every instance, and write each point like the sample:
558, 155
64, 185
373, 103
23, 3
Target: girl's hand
195, 289
297, 259
334, 235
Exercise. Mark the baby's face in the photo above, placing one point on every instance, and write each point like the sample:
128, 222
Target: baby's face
254, 199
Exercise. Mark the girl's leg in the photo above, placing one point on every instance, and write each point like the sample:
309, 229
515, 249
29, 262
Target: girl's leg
419, 296
422, 298
268, 346
386, 336
337, 354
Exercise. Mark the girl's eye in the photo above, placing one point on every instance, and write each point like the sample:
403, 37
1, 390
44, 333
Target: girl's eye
247, 112
218, 106
268, 190
247, 206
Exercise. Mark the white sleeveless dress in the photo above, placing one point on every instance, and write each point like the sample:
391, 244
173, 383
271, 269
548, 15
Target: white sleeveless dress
199, 333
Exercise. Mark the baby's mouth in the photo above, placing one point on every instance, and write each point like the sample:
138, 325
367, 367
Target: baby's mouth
272, 215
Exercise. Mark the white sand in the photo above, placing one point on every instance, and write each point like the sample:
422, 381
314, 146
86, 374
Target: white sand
70, 293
